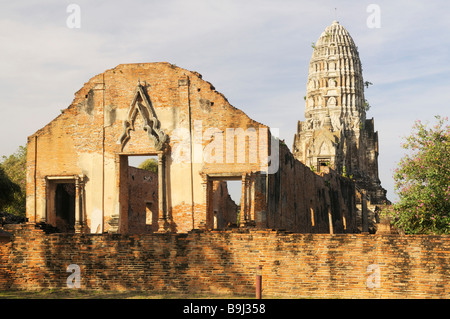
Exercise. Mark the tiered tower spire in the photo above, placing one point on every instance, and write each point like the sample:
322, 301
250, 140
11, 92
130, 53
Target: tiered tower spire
335, 131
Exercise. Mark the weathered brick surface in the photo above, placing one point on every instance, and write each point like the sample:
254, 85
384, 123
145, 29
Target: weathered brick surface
85, 143
294, 265
142, 196
301, 200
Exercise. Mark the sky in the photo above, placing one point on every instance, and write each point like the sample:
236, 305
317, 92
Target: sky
254, 52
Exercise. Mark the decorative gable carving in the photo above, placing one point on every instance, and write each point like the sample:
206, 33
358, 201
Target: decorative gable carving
141, 105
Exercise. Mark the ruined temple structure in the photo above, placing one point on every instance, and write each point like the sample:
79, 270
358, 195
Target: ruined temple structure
335, 132
80, 178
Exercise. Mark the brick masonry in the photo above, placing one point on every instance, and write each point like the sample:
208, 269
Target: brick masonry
294, 265
89, 143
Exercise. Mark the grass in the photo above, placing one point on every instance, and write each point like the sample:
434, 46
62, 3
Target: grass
97, 294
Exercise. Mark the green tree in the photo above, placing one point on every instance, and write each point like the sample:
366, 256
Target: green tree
422, 181
14, 169
150, 164
7, 190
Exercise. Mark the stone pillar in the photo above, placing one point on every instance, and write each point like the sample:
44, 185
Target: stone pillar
79, 222
344, 221
330, 220
251, 198
200, 222
162, 218
205, 222
47, 192
243, 214
77, 202
160, 186
364, 213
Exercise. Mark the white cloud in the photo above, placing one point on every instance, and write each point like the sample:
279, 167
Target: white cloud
256, 52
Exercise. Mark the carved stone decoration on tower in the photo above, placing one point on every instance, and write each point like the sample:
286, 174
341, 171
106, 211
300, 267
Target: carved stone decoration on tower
335, 115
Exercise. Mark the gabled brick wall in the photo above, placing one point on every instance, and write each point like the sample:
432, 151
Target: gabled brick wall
294, 265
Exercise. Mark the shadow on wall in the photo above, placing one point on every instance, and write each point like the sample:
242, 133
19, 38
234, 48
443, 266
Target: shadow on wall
183, 263
313, 265
303, 201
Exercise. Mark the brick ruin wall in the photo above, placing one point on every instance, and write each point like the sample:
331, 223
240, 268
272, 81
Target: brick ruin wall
294, 265
142, 200
84, 143
225, 210
327, 198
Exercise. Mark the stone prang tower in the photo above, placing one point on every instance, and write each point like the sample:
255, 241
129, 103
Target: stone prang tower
335, 131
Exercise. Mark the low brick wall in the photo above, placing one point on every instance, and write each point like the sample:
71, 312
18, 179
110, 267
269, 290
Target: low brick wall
294, 265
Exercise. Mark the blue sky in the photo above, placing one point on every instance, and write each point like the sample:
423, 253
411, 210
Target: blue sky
254, 52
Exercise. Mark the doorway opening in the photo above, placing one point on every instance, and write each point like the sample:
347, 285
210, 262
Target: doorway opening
142, 194
145, 162
226, 202
62, 207
323, 164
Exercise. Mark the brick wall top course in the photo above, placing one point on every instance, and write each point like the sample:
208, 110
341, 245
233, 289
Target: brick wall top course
294, 265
